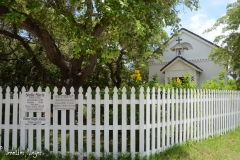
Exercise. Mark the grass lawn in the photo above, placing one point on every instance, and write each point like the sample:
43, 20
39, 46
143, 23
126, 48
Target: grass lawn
222, 147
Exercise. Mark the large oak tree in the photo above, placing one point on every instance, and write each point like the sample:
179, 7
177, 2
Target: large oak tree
65, 39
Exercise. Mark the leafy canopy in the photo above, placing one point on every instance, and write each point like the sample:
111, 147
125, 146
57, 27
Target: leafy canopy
229, 52
65, 39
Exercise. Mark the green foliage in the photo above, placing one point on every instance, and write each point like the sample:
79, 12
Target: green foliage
229, 52
220, 83
66, 40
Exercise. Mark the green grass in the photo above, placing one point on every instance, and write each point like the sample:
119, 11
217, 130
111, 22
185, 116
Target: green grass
222, 147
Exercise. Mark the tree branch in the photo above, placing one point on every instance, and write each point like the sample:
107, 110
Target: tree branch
34, 59
35, 27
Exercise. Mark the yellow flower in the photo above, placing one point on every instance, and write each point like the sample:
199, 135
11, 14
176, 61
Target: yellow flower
179, 80
136, 71
136, 75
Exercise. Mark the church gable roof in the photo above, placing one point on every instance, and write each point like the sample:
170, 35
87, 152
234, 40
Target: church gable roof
183, 60
196, 35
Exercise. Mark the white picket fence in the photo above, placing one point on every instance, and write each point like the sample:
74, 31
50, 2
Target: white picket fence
143, 124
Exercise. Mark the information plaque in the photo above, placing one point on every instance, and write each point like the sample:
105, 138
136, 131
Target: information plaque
35, 101
34, 120
63, 102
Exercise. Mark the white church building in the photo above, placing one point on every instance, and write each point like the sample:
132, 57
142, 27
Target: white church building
186, 54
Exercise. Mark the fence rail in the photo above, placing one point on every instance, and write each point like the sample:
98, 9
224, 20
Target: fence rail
143, 123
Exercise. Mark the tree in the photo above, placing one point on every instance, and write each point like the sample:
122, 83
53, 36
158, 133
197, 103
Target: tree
66, 39
229, 52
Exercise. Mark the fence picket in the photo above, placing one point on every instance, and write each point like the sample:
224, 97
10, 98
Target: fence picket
124, 120
55, 124
148, 101
71, 124
172, 108
15, 118
106, 120
23, 135
159, 124
168, 118
46, 128
184, 115
7, 117
181, 115
163, 119
80, 122
115, 122
97, 123
89, 120
141, 122
132, 121
177, 118
153, 128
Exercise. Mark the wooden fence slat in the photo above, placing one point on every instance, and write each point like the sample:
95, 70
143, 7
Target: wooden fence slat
72, 123
7, 118
124, 120
46, 128
159, 124
141, 123
97, 123
55, 123
106, 120
63, 128
15, 118
115, 122
80, 122
191, 114
38, 129
177, 132
185, 98
153, 115
22, 125
172, 108
181, 115
163, 119
132, 121
168, 118
89, 120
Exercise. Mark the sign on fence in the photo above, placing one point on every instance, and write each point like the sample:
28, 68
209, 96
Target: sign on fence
35, 101
34, 120
63, 102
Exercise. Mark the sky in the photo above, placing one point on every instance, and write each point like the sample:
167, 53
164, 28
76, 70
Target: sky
204, 17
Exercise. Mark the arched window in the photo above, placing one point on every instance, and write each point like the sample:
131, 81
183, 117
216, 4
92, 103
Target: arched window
188, 45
